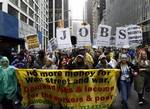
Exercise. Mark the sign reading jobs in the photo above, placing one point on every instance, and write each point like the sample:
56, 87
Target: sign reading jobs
74, 89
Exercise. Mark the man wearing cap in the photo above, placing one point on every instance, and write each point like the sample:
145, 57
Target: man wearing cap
79, 62
103, 62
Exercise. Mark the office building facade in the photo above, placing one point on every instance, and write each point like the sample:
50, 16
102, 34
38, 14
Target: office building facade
95, 14
32, 15
60, 12
126, 12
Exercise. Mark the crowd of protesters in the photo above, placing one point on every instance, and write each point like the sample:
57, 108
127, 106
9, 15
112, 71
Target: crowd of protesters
134, 65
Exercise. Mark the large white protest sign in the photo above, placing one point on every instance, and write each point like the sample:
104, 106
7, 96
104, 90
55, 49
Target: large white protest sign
134, 33
103, 35
83, 35
63, 38
121, 37
52, 45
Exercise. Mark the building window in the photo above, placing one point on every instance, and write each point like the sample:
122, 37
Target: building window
0, 6
31, 3
46, 33
47, 20
31, 23
36, 9
46, 6
12, 11
46, 12
46, 26
31, 13
15, 2
26, 1
23, 18
23, 6
37, 27
37, 1
36, 18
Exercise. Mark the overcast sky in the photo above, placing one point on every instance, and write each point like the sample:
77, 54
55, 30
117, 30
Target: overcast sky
76, 7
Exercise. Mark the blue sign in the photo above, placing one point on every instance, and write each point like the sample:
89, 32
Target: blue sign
8, 25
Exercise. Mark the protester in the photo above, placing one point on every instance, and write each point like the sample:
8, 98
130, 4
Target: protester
40, 59
103, 62
124, 50
97, 53
125, 80
89, 59
110, 59
20, 61
8, 85
79, 63
13, 55
147, 49
49, 64
64, 60
133, 65
144, 67
30, 61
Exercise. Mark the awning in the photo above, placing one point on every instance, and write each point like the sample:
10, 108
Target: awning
15, 40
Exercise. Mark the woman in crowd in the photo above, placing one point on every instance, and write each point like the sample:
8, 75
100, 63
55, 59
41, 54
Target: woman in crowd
126, 78
144, 67
30, 61
64, 60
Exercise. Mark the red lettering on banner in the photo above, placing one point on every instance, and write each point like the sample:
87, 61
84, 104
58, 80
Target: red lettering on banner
103, 98
98, 89
64, 90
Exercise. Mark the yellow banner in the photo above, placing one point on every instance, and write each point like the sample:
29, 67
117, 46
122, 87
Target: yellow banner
73, 89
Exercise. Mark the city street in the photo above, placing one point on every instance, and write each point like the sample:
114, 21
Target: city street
133, 101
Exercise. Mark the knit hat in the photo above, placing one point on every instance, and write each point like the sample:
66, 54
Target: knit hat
102, 56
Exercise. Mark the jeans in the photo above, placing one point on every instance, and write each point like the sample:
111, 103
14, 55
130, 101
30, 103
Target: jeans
125, 89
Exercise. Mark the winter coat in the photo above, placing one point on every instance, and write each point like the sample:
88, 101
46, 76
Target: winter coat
8, 81
139, 80
131, 69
